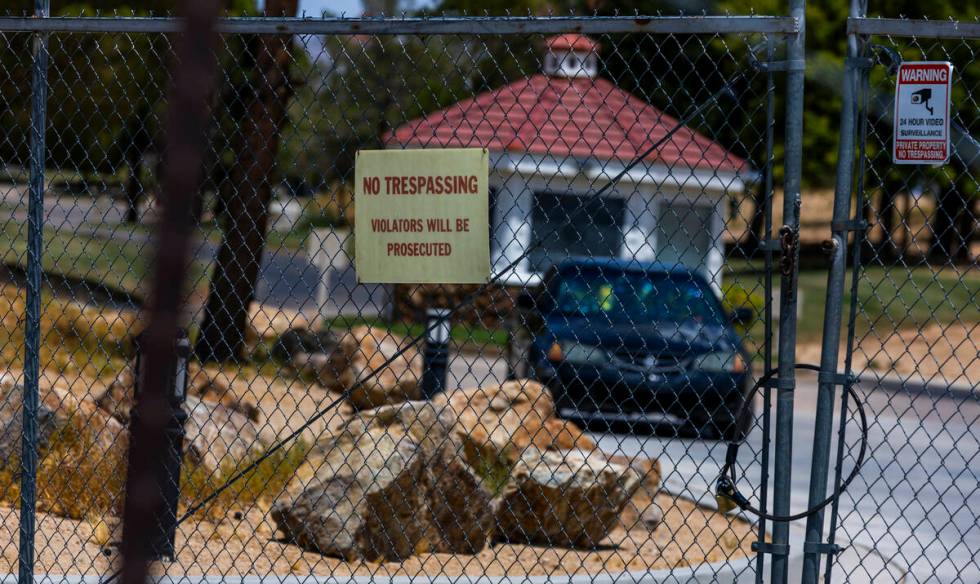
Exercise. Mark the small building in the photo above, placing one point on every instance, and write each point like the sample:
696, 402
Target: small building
558, 136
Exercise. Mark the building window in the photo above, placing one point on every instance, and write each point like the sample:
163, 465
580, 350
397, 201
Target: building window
595, 231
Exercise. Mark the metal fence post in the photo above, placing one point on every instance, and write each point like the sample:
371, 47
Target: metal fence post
789, 238
833, 313
32, 333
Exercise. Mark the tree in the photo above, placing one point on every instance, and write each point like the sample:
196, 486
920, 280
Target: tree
246, 211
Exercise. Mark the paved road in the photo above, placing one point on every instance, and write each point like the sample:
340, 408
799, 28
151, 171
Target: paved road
287, 279
916, 503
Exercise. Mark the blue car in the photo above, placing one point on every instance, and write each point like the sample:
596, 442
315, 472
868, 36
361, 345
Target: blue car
620, 340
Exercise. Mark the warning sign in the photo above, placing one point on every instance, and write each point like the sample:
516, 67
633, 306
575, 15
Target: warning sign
922, 96
421, 216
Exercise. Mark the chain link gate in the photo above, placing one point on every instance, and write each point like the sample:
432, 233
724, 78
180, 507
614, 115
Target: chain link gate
910, 300
632, 183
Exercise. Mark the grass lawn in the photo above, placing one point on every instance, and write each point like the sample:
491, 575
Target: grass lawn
117, 263
121, 263
889, 298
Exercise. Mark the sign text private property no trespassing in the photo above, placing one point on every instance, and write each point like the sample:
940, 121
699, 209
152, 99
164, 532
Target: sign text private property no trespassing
922, 98
421, 216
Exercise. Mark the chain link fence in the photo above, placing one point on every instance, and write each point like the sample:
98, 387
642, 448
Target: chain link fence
575, 416
911, 320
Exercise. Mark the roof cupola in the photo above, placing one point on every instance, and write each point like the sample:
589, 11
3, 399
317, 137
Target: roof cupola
571, 55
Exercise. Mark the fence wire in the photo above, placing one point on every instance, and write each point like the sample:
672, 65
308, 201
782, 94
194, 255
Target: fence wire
635, 214
605, 160
913, 317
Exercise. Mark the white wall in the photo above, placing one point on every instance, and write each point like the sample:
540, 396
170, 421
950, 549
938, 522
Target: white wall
516, 181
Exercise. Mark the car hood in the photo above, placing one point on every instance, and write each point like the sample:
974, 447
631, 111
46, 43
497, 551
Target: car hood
661, 338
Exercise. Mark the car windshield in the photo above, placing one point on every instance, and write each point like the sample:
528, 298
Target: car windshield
635, 297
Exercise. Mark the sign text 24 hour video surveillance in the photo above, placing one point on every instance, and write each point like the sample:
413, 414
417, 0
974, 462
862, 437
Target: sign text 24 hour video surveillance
421, 216
922, 95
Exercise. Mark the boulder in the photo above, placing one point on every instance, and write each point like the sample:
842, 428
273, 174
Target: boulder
497, 423
648, 469
117, 399
303, 340
564, 498
326, 369
214, 387
97, 428
218, 437
460, 504
362, 351
11, 420
385, 487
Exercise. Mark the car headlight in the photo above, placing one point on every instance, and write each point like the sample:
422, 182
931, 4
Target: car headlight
720, 362
580, 354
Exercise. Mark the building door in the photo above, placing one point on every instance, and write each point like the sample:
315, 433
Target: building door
594, 231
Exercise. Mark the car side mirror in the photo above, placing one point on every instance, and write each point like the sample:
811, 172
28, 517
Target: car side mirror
742, 315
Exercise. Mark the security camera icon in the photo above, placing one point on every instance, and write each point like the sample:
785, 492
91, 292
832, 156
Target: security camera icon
923, 96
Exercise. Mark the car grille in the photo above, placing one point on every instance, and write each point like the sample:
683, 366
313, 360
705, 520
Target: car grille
646, 362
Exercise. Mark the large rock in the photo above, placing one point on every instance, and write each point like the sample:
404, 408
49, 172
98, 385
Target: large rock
102, 434
218, 437
220, 431
564, 498
76, 435
359, 353
387, 486
117, 399
214, 387
460, 504
302, 340
58, 409
210, 386
496, 424
12, 419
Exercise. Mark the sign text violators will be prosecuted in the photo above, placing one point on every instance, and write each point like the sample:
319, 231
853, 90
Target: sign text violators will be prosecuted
421, 216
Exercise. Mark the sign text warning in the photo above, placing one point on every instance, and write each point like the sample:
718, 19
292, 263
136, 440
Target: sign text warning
922, 96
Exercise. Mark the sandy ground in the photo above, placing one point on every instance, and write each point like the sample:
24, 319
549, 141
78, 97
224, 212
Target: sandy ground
689, 535
938, 354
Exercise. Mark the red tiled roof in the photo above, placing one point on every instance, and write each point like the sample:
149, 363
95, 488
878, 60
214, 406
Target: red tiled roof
561, 117
572, 42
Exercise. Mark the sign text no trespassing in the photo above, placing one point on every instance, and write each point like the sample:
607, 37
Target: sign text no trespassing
421, 216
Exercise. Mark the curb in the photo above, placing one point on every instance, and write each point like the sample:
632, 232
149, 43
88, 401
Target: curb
723, 572
914, 384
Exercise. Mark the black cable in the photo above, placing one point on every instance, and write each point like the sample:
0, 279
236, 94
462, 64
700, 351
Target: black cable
725, 487
580, 207
465, 301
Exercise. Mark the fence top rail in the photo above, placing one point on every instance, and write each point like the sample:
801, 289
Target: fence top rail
936, 29
425, 25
